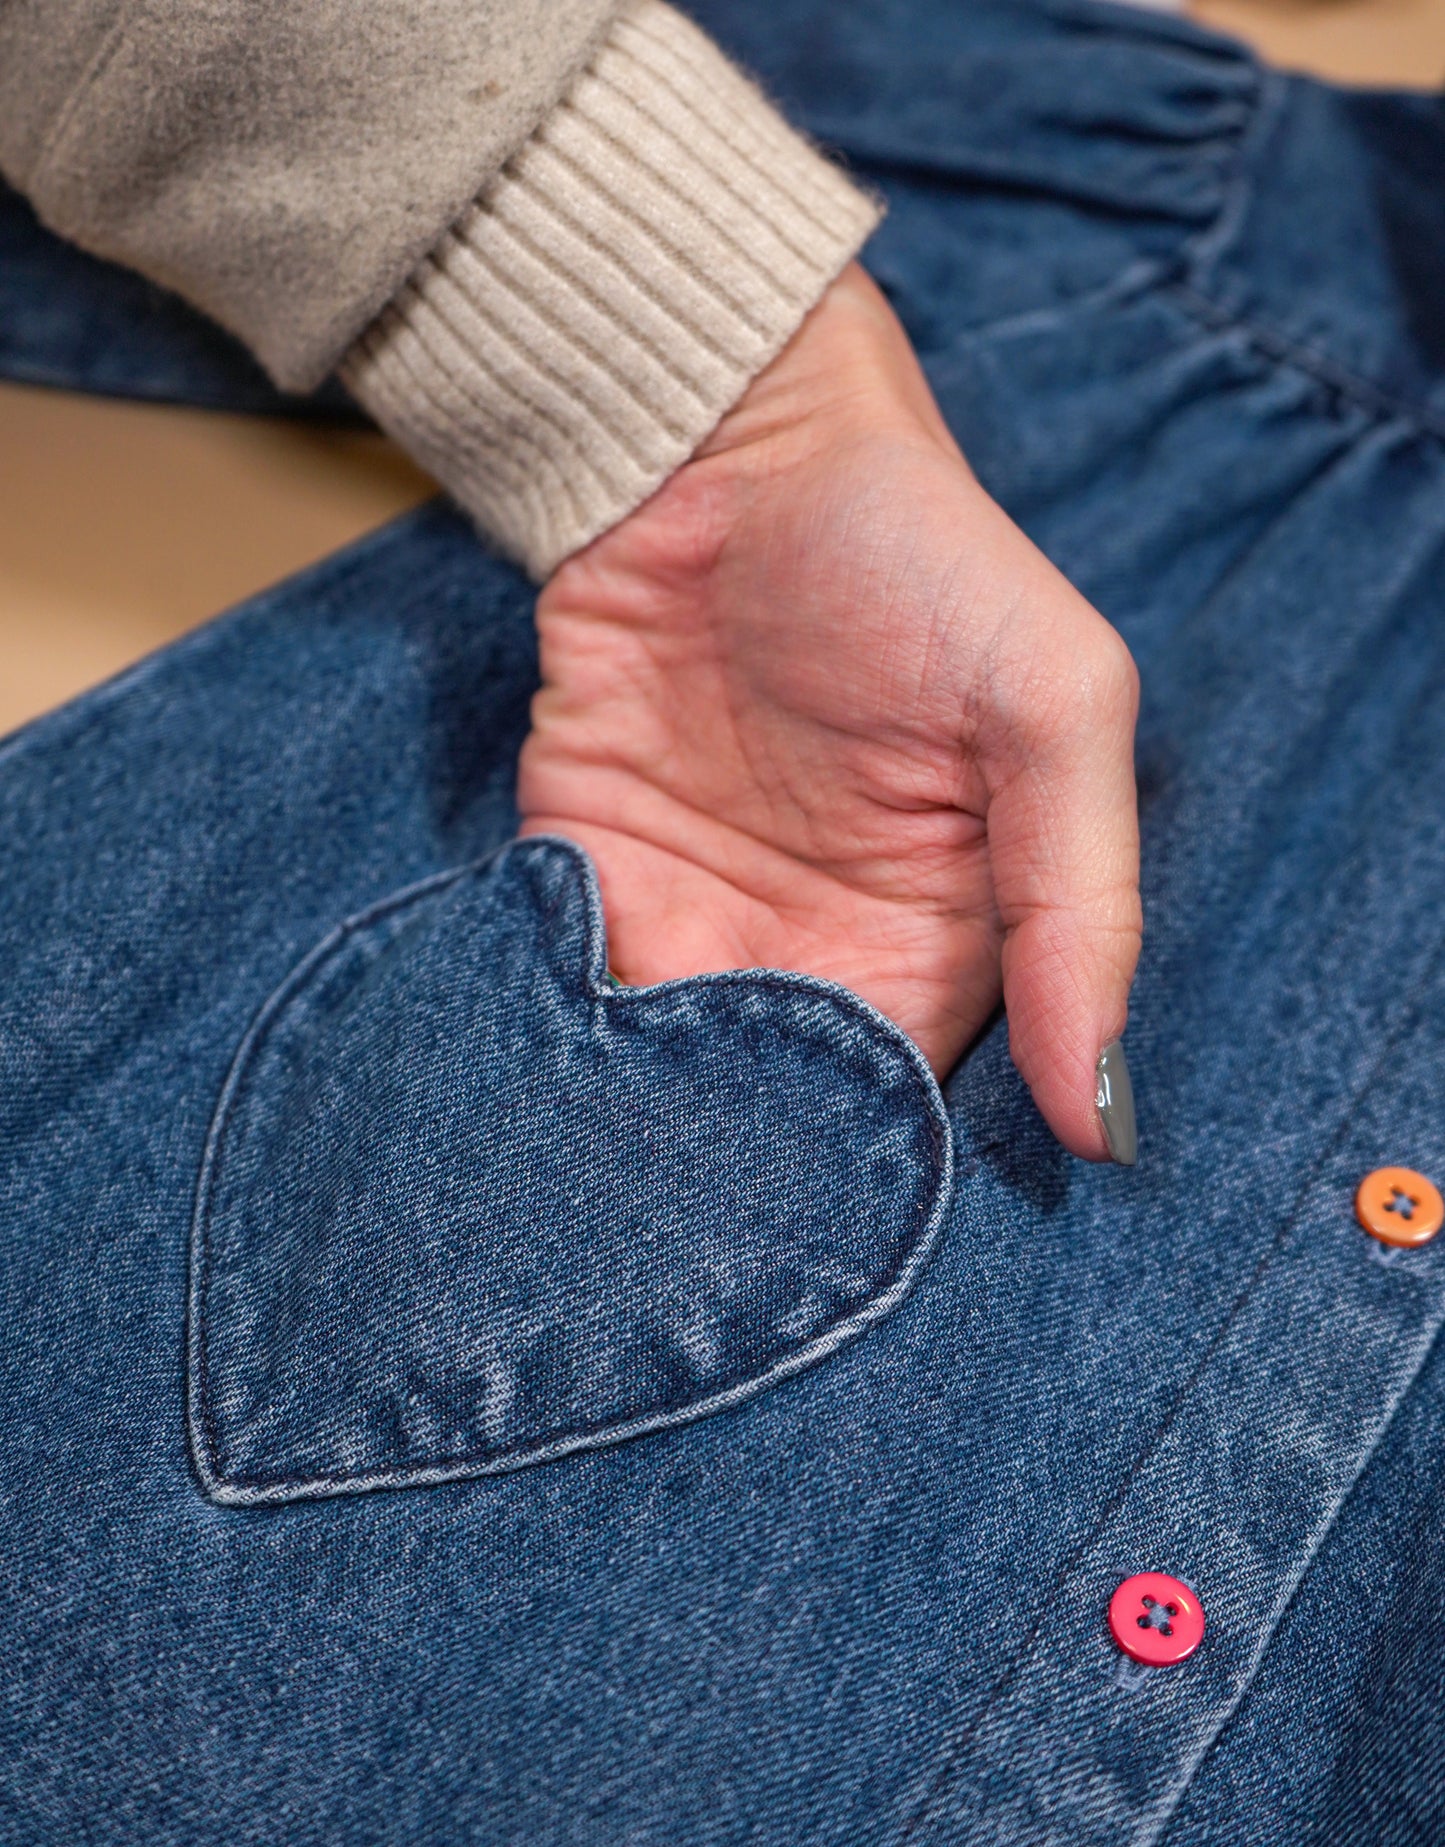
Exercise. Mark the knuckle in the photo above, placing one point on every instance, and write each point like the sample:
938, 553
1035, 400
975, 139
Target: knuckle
1111, 687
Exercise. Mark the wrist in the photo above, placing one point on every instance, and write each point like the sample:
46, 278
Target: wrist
586, 325
848, 368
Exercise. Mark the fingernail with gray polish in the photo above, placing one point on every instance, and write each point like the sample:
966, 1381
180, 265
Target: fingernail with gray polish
1114, 1095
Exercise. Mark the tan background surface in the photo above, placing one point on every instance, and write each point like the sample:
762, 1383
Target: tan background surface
1351, 41
123, 525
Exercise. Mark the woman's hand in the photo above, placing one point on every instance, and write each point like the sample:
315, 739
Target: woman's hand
820, 705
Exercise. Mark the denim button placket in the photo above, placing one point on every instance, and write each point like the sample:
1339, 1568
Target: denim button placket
1284, 1413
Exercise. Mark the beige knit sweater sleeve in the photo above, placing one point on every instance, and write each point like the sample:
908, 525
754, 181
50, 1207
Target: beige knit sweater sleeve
588, 321
547, 243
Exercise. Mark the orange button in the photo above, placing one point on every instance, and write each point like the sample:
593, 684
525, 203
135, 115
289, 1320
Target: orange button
1399, 1206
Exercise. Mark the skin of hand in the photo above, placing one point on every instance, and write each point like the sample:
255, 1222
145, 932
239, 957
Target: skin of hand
819, 705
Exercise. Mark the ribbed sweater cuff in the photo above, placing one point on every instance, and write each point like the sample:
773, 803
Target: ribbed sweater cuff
590, 319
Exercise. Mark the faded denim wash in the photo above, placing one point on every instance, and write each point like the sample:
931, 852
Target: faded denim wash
329, 1161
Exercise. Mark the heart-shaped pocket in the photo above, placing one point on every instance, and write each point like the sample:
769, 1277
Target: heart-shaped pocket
466, 1206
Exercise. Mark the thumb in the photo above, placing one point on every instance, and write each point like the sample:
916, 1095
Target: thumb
1064, 851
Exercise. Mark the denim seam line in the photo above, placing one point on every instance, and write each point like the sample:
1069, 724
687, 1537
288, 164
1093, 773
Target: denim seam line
1317, 364
1167, 277
1409, 1017
1189, 286
884, 1039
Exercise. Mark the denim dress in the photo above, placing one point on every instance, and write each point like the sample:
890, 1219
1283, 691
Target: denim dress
445, 1398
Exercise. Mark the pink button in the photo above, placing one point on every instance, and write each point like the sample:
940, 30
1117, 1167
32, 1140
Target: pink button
1156, 1619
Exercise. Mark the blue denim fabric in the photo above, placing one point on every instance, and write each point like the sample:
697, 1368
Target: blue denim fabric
529, 1153
291, 1034
67, 319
